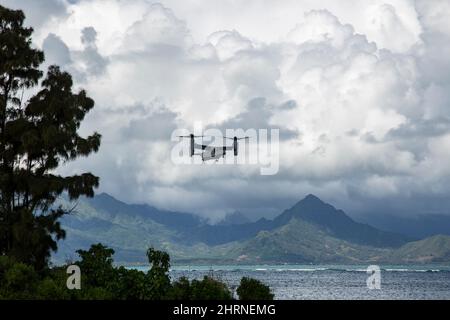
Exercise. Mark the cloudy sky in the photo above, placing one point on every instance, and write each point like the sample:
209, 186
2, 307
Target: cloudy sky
360, 91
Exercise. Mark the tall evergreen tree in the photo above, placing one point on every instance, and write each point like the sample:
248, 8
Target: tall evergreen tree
36, 136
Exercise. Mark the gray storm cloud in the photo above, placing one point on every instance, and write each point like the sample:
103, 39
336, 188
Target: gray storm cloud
359, 91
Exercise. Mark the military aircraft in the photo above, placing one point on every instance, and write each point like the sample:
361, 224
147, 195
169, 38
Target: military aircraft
212, 152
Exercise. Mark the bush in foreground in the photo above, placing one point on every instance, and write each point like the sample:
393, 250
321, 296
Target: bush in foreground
206, 289
252, 289
101, 280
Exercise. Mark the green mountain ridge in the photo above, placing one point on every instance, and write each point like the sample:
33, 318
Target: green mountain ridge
338, 224
303, 242
310, 232
433, 249
300, 241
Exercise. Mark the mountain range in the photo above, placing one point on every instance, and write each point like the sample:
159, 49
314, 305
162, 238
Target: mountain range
311, 231
415, 226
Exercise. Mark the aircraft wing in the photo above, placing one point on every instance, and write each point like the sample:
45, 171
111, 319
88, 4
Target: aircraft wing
200, 146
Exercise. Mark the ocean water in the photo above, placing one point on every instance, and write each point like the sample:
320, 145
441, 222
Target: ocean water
297, 282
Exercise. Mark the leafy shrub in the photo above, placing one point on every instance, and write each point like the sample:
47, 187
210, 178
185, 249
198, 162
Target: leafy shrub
101, 280
206, 289
252, 289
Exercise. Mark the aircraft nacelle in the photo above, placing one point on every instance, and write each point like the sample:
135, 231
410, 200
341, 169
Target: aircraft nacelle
192, 145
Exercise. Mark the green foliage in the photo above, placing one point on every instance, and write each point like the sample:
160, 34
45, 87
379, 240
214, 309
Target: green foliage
52, 289
132, 285
206, 289
5, 264
180, 290
252, 289
21, 281
97, 265
158, 274
101, 280
20, 278
210, 289
36, 136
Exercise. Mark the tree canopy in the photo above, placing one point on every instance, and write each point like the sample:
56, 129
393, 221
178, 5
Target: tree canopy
36, 136
253, 289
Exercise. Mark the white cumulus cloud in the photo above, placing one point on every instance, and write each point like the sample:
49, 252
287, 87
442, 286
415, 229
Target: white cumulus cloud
359, 91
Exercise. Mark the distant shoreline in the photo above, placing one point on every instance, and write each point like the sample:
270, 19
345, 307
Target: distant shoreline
299, 267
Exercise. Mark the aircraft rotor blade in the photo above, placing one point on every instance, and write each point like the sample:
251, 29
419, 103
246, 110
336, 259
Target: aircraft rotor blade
237, 138
190, 136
